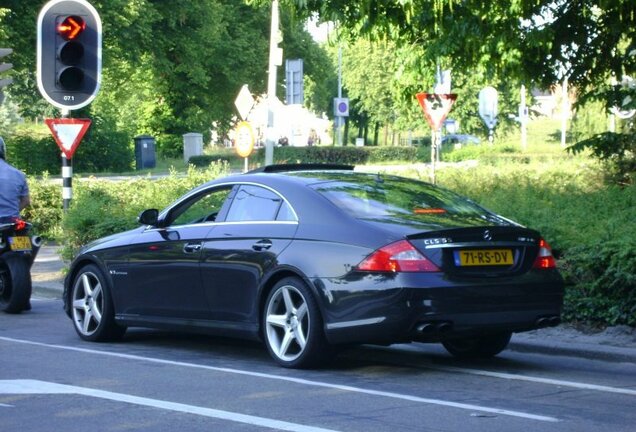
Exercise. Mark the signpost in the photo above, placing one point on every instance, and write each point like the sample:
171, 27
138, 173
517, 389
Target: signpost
68, 134
436, 107
244, 141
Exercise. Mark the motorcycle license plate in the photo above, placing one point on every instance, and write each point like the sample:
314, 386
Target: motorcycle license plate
20, 243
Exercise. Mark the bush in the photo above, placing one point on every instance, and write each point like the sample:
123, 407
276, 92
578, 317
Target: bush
601, 283
33, 154
317, 154
45, 211
103, 148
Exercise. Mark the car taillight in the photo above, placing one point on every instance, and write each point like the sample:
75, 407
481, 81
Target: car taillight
19, 224
544, 260
400, 256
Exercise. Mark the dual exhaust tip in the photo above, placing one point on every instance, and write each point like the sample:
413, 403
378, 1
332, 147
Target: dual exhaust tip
445, 326
435, 327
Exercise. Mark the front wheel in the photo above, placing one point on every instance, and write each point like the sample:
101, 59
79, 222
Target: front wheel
293, 327
93, 313
15, 283
479, 346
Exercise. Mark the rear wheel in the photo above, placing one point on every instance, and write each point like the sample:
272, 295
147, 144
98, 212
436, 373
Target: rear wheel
293, 327
15, 283
479, 346
92, 307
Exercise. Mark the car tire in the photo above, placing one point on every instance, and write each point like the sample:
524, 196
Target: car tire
92, 308
15, 283
293, 327
478, 347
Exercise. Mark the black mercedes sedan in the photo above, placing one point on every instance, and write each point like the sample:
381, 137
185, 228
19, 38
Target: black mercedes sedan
307, 258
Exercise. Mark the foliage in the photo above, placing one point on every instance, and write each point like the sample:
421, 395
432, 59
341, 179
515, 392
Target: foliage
33, 153
169, 68
34, 150
601, 282
617, 150
315, 154
45, 211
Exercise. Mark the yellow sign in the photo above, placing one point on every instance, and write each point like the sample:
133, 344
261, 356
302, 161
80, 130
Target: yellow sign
244, 140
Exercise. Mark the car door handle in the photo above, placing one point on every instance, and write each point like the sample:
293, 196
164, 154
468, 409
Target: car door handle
192, 247
262, 245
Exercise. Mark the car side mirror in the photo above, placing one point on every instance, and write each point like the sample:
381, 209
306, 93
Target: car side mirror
149, 217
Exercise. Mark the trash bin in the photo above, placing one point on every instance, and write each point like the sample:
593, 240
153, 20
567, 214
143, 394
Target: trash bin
145, 153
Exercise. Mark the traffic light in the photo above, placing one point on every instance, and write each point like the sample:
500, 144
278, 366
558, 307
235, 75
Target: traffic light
69, 53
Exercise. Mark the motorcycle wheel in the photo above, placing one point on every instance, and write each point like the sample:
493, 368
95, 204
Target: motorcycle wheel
15, 283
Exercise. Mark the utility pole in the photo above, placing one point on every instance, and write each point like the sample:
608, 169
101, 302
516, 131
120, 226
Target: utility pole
339, 119
523, 117
275, 60
565, 108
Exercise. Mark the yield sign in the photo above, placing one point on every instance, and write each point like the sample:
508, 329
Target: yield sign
436, 107
68, 133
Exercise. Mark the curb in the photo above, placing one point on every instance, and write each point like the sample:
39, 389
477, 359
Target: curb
587, 351
49, 290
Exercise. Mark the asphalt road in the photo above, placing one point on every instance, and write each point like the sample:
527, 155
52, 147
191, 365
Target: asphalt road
50, 380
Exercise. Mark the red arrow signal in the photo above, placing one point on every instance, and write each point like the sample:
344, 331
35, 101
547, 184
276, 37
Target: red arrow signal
68, 133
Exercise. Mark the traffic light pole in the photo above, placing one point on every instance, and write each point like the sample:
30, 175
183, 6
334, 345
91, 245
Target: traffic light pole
67, 175
69, 66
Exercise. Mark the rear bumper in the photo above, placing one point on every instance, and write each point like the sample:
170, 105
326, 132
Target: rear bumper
431, 307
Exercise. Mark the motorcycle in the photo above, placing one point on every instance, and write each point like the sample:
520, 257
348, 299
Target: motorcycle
18, 250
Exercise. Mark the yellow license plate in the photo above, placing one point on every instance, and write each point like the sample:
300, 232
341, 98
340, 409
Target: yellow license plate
20, 243
485, 257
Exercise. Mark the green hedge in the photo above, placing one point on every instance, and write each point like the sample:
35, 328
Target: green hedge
102, 149
320, 154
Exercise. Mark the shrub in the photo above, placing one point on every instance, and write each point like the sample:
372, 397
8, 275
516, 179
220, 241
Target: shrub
33, 153
601, 283
45, 211
317, 154
102, 149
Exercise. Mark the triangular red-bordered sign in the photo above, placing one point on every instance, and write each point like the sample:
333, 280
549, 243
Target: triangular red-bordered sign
68, 133
436, 107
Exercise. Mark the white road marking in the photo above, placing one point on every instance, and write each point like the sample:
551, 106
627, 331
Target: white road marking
43, 387
508, 376
301, 381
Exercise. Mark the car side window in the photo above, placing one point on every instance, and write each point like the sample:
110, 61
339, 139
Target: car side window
204, 207
254, 203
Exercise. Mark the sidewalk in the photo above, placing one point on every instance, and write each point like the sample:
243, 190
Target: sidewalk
616, 344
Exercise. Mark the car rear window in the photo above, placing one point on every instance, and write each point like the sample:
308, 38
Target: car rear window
376, 197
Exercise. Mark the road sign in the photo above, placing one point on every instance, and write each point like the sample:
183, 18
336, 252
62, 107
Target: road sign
436, 107
68, 133
244, 102
244, 140
341, 107
488, 106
